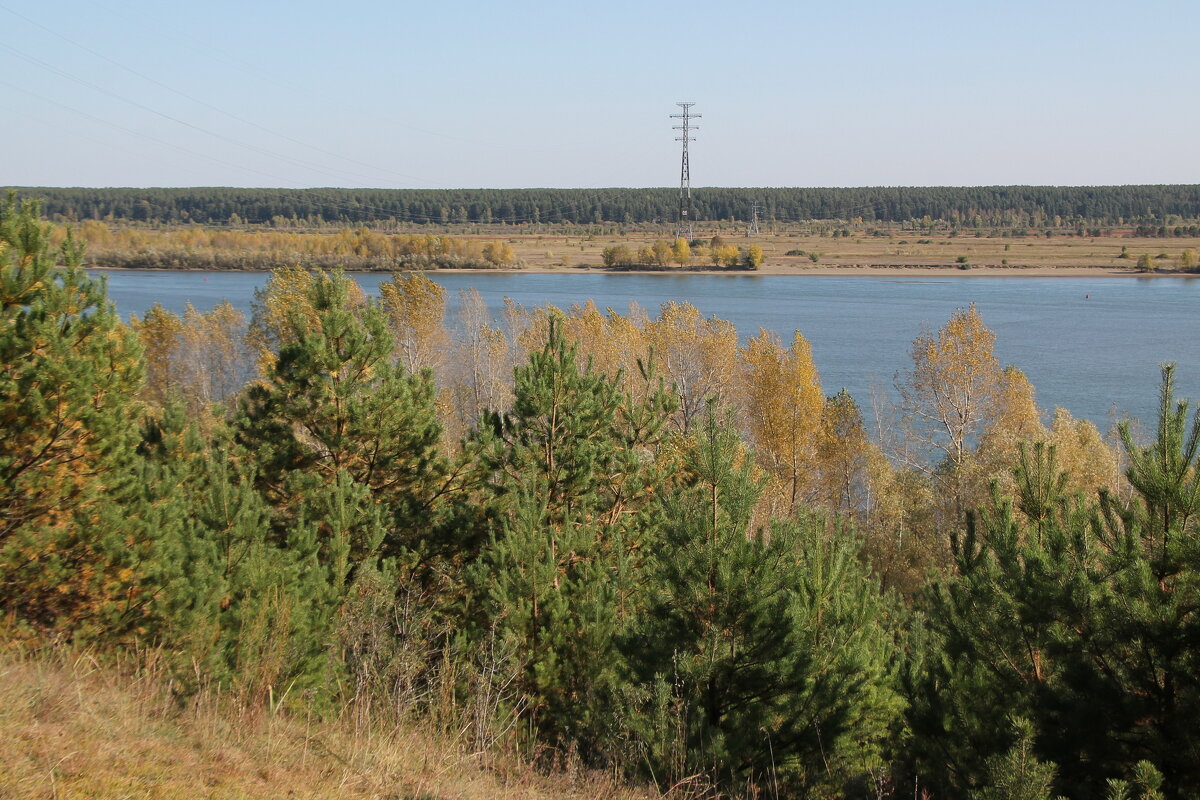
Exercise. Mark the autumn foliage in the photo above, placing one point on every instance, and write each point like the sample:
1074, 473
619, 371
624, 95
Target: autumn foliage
347, 248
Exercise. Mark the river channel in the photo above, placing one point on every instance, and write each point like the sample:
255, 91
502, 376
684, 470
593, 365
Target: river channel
1091, 345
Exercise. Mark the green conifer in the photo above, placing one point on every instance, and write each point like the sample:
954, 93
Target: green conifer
234, 606
336, 405
1146, 785
769, 647
1078, 617
1018, 774
569, 475
69, 373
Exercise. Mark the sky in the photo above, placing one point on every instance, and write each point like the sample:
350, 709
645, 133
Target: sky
454, 94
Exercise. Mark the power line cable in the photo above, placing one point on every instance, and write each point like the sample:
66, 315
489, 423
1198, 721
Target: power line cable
204, 103
136, 104
205, 45
147, 136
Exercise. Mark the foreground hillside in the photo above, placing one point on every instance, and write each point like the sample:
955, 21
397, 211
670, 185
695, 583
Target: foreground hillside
70, 728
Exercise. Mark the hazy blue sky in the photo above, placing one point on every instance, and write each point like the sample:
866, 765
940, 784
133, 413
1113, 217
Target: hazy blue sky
521, 94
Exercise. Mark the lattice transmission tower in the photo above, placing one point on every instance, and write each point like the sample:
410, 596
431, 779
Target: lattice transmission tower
685, 178
752, 229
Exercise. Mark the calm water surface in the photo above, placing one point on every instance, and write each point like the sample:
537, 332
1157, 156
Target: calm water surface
1089, 345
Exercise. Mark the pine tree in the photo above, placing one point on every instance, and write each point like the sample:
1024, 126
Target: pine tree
994, 631
1147, 782
69, 374
764, 653
335, 405
570, 474
343, 443
1077, 617
1018, 774
1145, 652
232, 605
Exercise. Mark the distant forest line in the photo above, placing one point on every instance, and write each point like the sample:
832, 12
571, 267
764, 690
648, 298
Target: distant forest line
978, 206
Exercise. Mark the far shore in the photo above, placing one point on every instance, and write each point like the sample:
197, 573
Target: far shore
907, 254
871, 271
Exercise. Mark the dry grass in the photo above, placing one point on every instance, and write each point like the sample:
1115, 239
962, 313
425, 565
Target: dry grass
70, 728
574, 248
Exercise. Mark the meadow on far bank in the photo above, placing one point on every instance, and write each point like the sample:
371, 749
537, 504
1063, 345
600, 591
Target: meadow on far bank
717, 248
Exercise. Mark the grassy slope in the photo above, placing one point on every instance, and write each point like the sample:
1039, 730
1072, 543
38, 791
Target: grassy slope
78, 730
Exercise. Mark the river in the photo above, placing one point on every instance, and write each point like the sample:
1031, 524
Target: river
1091, 345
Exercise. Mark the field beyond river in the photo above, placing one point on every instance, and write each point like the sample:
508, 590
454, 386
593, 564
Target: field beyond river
900, 253
720, 248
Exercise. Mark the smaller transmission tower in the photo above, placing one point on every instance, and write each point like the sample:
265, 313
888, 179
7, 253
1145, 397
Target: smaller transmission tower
685, 178
752, 230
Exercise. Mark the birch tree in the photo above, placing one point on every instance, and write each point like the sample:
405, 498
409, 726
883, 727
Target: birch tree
784, 408
416, 313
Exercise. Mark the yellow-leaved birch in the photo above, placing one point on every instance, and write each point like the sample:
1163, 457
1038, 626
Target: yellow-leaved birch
213, 361
953, 389
416, 313
698, 355
1090, 463
480, 374
158, 331
847, 457
784, 408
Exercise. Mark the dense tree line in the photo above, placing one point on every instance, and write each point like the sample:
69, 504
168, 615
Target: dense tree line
1166, 232
605, 538
992, 206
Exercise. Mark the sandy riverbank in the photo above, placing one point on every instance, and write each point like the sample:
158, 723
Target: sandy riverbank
838, 270
866, 271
